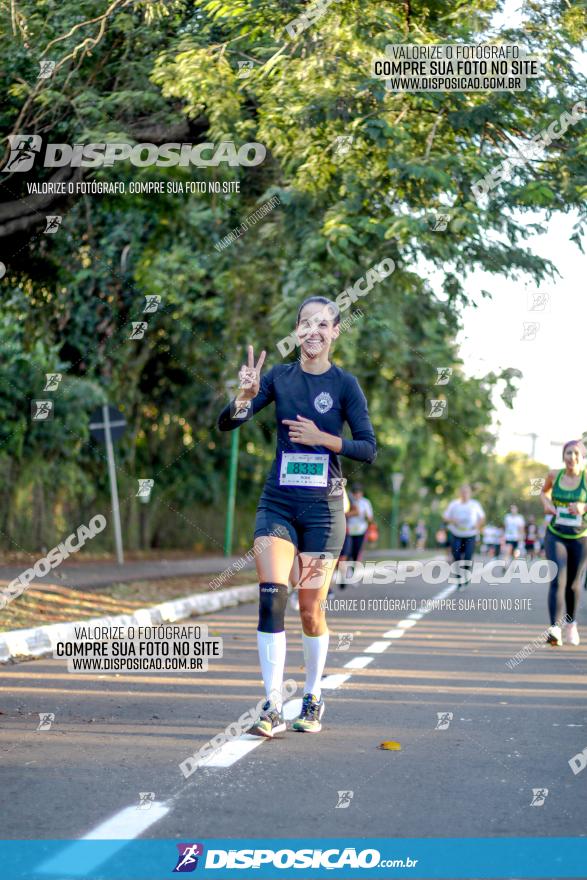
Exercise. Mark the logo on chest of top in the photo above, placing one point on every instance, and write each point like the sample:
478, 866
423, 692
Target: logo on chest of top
323, 402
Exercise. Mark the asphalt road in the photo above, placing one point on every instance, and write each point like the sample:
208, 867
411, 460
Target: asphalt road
511, 731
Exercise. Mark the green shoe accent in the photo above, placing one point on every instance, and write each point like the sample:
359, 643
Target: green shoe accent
269, 722
310, 716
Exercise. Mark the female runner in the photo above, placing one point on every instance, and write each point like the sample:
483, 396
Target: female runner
564, 495
300, 516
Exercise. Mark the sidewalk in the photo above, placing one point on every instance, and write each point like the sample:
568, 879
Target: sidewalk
101, 574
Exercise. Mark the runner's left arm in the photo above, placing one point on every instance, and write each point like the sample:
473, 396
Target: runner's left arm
363, 446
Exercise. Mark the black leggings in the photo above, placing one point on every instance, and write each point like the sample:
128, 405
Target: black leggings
570, 556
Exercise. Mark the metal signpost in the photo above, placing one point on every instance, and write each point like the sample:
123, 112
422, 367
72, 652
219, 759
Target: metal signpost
106, 425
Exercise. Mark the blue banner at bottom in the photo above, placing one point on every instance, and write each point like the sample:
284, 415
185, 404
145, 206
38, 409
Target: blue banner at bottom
223, 859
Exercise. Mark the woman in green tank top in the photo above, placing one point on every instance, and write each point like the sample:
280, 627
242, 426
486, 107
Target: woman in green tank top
564, 498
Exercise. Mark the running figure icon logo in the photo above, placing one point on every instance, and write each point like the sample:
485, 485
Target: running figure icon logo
344, 800
539, 795
53, 222
46, 719
444, 719
344, 641
188, 857
41, 410
52, 381
443, 375
436, 409
337, 485
323, 402
536, 484
24, 149
146, 799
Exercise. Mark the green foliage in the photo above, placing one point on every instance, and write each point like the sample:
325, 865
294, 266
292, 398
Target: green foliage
168, 72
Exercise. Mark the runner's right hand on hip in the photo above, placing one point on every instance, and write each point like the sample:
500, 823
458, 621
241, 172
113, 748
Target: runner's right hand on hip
249, 376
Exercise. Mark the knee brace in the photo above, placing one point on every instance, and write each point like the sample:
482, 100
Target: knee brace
272, 603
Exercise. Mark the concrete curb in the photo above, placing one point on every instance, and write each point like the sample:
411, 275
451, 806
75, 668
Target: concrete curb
25, 644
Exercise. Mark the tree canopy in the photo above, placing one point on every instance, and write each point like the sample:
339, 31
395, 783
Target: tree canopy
361, 174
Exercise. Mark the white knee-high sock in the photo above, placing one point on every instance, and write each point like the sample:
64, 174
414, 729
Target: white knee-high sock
272, 659
315, 651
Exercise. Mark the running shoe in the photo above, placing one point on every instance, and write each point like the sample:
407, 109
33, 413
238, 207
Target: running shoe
269, 722
310, 716
572, 634
554, 636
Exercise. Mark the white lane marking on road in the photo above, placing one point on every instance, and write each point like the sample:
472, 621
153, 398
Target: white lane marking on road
377, 647
359, 662
406, 624
416, 615
333, 681
77, 861
394, 634
231, 751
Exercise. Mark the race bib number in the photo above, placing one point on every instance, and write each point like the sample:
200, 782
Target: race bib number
564, 518
303, 469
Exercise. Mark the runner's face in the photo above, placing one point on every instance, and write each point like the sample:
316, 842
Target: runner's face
316, 329
573, 458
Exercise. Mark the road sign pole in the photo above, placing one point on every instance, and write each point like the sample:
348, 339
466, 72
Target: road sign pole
229, 530
113, 486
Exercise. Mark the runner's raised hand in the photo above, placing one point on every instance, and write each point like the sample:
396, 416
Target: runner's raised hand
249, 376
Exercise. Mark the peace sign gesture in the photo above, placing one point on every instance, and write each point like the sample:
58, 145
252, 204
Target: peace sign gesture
249, 376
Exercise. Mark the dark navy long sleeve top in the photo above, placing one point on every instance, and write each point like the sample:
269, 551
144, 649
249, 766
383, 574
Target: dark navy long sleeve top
329, 400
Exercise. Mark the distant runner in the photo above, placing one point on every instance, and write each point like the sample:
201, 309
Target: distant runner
564, 497
514, 532
464, 517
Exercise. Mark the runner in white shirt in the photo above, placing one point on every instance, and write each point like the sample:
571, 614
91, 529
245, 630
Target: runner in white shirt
464, 517
514, 531
358, 518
